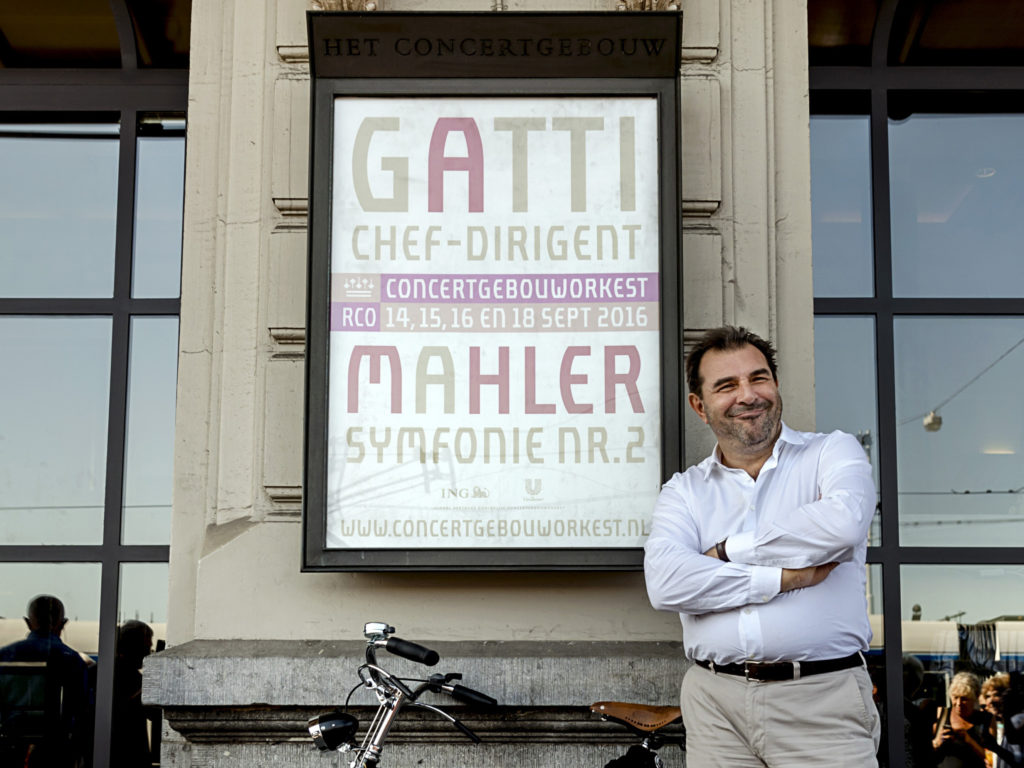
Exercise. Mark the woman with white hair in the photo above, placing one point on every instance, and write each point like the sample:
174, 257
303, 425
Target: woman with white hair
961, 733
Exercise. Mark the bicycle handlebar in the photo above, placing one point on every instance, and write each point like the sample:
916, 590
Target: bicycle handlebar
412, 651
469, 696
335, 730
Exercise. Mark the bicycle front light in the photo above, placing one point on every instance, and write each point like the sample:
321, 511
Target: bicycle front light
332, 729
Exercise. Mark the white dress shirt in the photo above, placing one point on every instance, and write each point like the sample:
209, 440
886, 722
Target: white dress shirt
811, 504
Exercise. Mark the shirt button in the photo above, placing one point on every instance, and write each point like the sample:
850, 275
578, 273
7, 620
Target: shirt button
747, 610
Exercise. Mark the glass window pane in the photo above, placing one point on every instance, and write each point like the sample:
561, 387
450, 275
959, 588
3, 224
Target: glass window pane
841, 205
956, 224
839, 32
143, 597
964, 616
58, 210
54, 407
76, 585
845, 387
159, 202
960, 619
164, 31
68, 33
960, 434
149, 448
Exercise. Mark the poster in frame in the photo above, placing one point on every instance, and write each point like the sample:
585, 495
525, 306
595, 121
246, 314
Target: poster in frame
493, 369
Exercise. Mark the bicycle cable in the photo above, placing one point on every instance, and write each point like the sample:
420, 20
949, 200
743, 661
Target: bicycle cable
349, 697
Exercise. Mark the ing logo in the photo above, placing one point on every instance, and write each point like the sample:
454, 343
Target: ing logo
476, 492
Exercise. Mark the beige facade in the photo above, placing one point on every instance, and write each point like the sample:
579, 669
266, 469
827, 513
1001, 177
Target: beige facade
236, 539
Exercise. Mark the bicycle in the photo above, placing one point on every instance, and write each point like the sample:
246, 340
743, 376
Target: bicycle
335, 731
650, 723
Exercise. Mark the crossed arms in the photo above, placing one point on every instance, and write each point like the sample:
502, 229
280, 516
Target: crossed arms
794, 545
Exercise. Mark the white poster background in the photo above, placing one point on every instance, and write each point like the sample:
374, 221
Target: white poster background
567, 192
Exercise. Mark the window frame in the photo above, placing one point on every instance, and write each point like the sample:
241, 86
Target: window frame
869, 87
62, 95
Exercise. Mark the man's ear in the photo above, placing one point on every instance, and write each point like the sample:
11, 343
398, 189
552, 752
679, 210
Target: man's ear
698, 406
27, 623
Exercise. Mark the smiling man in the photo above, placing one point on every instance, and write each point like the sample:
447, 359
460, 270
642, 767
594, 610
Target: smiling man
760, 549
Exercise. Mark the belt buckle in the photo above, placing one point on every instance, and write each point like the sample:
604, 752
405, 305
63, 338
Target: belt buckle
752, 672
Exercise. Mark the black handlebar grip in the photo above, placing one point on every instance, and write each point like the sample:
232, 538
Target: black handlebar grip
469, 696
412, 651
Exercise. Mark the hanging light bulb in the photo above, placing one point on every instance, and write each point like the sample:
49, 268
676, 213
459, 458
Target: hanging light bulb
932, 422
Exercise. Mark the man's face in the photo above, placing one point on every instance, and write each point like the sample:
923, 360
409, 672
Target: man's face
739, 398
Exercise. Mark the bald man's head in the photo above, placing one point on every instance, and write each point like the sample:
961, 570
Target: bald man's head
46, 613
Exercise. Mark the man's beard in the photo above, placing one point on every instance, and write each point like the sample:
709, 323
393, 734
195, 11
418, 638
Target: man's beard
755, 433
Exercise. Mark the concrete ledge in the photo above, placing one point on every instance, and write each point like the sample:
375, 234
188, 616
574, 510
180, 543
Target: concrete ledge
244, 673
245, 703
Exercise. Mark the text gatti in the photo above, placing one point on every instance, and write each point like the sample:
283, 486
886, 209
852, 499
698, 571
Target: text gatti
585, 140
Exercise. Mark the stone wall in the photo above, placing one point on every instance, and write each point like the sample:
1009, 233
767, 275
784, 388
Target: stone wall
245, 703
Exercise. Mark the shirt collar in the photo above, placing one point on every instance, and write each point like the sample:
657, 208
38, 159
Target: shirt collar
786, 435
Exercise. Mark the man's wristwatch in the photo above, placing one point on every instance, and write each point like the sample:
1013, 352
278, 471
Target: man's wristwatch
720, 550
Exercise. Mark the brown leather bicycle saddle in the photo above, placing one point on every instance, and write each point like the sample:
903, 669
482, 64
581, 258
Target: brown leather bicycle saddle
641, 716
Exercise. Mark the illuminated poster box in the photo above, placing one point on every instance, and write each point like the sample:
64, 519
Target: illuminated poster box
493, 336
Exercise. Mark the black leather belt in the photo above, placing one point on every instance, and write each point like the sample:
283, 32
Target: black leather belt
773, 671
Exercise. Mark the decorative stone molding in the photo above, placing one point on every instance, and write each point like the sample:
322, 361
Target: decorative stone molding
285, 494
648, 5
290, 342
293, 54
345, 5
699, 208
294, 212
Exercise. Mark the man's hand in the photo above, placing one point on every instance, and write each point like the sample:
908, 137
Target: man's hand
798, 578
795, 578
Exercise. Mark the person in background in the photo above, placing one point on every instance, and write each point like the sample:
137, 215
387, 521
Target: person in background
70, 743
917, 722
993, 699
130, 743
961, 734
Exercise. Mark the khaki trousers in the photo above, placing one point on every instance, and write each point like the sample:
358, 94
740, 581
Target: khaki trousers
827, 720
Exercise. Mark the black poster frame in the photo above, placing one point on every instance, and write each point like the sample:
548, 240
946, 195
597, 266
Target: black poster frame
335, 74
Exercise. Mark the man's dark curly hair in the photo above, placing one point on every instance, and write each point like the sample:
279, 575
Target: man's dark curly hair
721, 339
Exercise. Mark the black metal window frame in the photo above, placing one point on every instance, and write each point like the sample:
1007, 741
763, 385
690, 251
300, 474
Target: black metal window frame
963, 88
58, 95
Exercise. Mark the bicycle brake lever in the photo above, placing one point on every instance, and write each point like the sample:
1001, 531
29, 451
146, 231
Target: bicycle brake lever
458, 724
